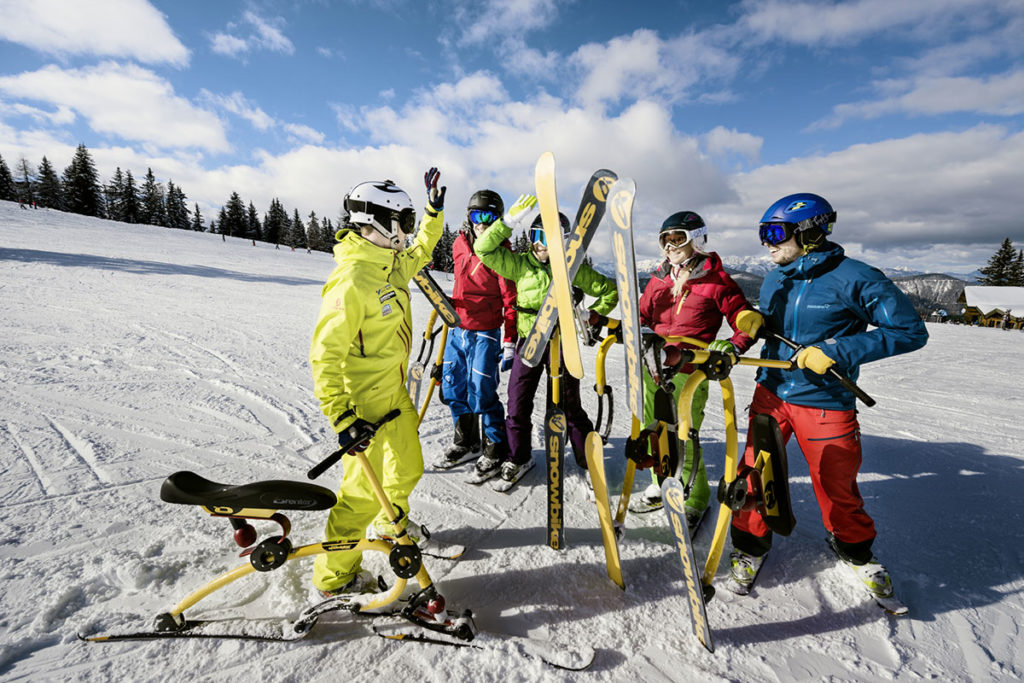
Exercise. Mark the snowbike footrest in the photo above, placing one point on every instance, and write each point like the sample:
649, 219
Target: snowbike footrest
189, 488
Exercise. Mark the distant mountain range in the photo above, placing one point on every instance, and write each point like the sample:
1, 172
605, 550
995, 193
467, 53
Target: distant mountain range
928, 291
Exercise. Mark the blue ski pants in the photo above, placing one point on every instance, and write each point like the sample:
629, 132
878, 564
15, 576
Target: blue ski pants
469, 383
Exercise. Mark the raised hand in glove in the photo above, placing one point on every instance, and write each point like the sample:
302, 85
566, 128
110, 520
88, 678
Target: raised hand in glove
749, 322
508, 352
522, 213
814, 359
435, 196
722, 345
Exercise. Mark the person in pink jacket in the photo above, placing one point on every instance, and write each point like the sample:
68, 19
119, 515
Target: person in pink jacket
485, 339
689, 295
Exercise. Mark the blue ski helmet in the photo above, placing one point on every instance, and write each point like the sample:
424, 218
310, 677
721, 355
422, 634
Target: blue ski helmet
809, 216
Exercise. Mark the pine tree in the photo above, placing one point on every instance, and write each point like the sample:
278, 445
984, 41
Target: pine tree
1017, 270
521, 244
296, 233
197, 220
222, 223
998, 272
314, 234
175, 207
151, 208
443, 260
26, 182
128, 203
50, 193
81, 184
233, 222
7, 187
275, 223
113, 191
252, 223
328, 239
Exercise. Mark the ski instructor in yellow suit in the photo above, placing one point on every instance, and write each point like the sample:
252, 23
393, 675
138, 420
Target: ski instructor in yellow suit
360, 355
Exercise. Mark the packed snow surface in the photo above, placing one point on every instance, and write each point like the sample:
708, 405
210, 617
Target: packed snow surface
131, 352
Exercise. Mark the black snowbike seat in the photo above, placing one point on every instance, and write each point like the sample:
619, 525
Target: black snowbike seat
278, 494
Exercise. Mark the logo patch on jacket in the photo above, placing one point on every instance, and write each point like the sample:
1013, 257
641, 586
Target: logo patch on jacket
385, 294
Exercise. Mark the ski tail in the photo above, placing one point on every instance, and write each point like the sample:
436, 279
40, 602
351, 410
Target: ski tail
620, 203
595, 467
588, 217
672, 494
437, 298
547, 198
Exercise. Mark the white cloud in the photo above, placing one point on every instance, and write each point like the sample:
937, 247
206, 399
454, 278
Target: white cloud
125, 101
237, 104
830, 23
228, 45
113, 28
912, 200
268, 35
722, 142
481, 21
642, 65
303, 133
999, 95
260, 34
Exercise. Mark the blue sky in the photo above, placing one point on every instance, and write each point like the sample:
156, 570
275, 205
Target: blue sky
906, 115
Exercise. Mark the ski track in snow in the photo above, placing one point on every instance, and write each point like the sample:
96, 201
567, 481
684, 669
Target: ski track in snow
130, 352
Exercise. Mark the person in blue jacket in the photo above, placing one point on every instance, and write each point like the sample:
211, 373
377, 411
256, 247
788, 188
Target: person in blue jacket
843, 313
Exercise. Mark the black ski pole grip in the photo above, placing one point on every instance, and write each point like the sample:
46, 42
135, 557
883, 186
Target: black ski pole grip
322, 466
845, 381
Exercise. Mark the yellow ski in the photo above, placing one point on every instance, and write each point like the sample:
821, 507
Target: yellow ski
595, 466
547, 197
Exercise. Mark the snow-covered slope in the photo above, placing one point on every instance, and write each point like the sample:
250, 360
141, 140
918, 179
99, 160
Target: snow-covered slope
130, 352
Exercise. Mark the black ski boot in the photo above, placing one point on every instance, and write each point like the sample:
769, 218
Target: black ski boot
466, 443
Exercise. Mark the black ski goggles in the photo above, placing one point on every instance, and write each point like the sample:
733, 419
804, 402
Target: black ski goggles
774, 234
481, 217
537, 236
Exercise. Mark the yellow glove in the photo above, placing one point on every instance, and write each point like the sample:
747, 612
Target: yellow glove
814, 359
749, 322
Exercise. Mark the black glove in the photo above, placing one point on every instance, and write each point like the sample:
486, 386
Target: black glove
435, 197
356, 437
596, 322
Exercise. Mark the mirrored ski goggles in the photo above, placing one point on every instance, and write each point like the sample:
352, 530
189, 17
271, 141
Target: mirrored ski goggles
482, 217
537, 236
773, 234
678, 237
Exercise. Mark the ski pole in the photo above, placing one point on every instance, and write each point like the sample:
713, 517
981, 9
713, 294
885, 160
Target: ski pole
366, 431
435, 374
845, 381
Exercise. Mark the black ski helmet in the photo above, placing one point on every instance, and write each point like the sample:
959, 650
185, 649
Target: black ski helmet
689, 221
486, 200
562, 218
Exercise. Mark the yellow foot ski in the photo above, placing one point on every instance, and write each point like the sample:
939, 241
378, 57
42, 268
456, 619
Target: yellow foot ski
547, 198
595, 466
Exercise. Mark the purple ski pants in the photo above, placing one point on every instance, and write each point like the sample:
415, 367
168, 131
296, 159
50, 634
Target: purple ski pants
523, 382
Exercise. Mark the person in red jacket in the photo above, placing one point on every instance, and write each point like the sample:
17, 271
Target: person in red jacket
688, 296
485, 302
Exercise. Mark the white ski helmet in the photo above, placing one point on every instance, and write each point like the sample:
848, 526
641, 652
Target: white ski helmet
383, 206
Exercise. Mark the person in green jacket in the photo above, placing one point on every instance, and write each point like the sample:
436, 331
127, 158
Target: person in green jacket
360, 354
532, 276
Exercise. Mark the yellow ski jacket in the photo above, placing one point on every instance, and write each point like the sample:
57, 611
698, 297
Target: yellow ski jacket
361, 343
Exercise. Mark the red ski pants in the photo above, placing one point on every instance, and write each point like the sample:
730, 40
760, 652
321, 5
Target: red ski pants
830, 441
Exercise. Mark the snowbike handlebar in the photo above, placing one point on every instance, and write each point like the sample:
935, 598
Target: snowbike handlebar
366, 432
845, 381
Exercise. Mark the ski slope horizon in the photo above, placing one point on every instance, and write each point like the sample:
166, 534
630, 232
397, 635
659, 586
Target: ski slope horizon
131, 352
